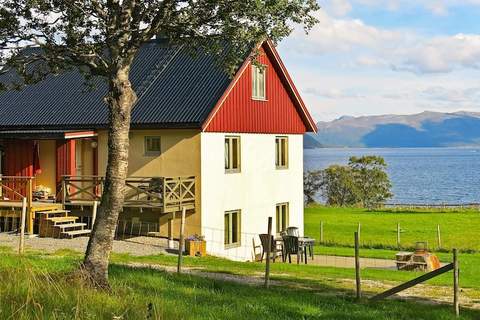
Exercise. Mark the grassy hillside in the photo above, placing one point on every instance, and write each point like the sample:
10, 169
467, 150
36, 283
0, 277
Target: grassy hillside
459, 229
41, 286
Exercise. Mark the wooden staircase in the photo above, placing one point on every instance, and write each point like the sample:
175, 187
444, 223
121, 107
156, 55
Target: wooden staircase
58, 224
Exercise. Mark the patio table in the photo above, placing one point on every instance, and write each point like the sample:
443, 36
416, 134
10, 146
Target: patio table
305, 242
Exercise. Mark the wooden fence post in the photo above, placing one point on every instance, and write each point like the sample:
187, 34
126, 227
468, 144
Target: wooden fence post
398, 235
180, 244
269, 246
439, 237
321, 231
359, 229
22, 226
357, 267
456, 288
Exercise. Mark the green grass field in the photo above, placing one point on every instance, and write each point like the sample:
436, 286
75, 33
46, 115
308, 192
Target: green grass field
41, 286
459, 228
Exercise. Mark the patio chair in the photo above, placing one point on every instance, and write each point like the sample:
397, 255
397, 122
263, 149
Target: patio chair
293, 231
292, 246
276, 249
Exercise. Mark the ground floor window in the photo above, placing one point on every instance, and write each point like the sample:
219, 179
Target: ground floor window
282, 217
232, 228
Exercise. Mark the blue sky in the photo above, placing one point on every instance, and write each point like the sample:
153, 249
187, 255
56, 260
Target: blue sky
369, 57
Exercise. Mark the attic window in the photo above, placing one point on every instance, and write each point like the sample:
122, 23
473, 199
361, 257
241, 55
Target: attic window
258, 82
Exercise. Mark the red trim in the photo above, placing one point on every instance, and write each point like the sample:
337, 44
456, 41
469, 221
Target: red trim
282, 73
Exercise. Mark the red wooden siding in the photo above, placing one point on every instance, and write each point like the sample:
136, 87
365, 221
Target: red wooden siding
65, 159
18, 158
240, 113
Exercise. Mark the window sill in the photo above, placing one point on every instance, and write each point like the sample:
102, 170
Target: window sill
229, 171
233, 245
281, 168
152, 154
260, 99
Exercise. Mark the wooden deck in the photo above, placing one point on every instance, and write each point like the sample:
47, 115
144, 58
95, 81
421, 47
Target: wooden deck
167, 194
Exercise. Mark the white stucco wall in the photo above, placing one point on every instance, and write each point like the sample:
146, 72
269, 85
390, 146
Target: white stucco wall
255, 190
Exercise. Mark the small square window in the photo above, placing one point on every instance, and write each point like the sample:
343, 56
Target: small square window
282, 217
259, 82
152, 146
232, 229
281, 152
232, 154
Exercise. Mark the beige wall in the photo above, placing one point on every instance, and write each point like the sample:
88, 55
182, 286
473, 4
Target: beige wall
180, 156
47, 164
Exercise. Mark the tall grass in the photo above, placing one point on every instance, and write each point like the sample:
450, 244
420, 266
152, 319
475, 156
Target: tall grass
45, 287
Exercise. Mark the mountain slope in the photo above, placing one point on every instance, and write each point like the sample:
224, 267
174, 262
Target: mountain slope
426, 129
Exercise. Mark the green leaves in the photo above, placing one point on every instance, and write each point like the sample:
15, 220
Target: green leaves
363, 182
102, 36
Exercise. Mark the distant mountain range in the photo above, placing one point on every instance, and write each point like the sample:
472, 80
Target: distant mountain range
426, 129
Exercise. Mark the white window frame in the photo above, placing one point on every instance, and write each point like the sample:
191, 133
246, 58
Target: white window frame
281, 162
282, 218
150, 153
228, 232
230, 165
257, 88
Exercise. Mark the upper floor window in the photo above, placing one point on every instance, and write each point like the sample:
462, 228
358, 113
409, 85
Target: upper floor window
232, 154
258, 82
281, 152
232, 229
152, 146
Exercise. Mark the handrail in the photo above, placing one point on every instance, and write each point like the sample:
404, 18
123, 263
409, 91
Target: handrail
168, 193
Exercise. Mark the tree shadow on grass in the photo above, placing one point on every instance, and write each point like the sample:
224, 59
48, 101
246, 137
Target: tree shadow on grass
194, 297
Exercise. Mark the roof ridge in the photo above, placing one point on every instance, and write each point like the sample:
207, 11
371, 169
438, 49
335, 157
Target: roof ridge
154, 75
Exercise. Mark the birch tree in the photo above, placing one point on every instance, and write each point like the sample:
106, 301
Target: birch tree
101, 38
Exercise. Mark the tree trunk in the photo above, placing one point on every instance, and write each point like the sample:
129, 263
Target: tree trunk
120, 100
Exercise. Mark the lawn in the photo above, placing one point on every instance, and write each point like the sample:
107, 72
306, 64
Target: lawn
41, 286
458, 228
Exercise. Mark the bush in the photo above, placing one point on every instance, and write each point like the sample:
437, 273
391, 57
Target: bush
363, 182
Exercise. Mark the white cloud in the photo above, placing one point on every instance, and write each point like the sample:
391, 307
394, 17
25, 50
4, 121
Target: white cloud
402, 50
338, 7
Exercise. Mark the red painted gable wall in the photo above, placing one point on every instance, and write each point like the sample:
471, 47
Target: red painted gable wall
240, 113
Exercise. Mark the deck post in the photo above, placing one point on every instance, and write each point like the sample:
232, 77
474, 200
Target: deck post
22, 226
181, 241
94, 213
30, 212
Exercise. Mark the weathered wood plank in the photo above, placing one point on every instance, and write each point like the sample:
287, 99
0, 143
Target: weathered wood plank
413, 282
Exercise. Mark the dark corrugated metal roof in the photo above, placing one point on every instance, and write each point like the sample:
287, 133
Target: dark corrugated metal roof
37, 134
175, 89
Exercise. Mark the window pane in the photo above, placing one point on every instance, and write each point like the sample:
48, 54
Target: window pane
261, 84
278, 218
284, 152
227, 153
277, 156
227, 228
234, 227
235, 153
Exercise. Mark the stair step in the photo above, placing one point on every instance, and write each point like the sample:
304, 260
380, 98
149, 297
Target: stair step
76, 232
71, 225
60, 220
48, 214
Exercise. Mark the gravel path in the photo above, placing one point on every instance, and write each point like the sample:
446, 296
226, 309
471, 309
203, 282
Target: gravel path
137, 246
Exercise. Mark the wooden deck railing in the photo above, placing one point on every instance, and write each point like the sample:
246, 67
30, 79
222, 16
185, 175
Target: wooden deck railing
15, 188
168, 193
